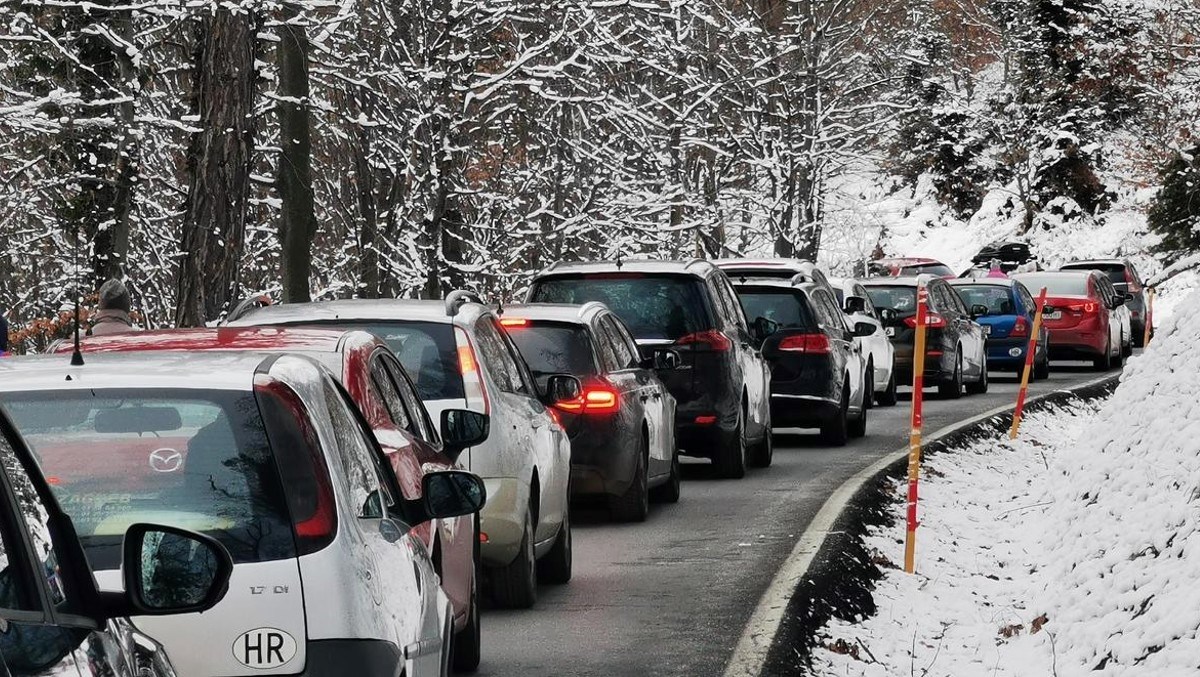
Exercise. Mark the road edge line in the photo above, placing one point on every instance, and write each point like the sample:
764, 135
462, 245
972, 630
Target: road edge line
754, 646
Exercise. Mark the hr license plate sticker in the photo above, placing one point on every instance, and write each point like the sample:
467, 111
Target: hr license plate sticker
890, 331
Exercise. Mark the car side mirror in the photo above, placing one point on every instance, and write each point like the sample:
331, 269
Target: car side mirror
168, 570
562, 388
978, 310
863, 329
662, 359
452, 493
855, 304
461, 429
763, 327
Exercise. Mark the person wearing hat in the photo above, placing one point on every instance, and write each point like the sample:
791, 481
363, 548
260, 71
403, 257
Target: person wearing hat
113, 314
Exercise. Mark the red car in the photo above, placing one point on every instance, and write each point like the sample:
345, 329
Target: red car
909, 267
383, 392
1086, 316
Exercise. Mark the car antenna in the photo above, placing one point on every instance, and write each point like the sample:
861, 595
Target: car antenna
77, 354
619, 261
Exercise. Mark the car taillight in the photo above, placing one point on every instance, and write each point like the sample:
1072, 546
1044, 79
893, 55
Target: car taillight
1134, 287
1089, 307
468, 366
712, 339
809, 344
1021, 328
301, 464
932, 321
514, 322
595, 399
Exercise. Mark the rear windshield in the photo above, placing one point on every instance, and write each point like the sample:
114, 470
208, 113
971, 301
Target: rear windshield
938, 269
787, 307
555, 348
653, 307
901, 299
188, 458
1114, 271
428, 352
998, 300
1071, 284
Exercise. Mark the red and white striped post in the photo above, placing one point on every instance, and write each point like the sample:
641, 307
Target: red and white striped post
1030, 354
914, 437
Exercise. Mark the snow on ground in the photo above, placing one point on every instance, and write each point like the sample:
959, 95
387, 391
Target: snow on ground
1072, 552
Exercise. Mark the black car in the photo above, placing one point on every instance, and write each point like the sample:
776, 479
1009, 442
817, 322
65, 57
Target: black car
818, 372
956, 346
56, 619
721, 383
622, 424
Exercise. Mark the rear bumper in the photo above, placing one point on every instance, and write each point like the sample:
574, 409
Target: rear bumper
1006, 353
601, 463
803, 411
938, 368
503, 520
1075, 344
337, 657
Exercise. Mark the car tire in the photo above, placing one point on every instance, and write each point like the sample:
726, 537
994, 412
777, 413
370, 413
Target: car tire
954, 389
731, 459
1127, 350
836, 432
888, 397
1041, 368
1104, 361
555, 567
979, 387
673, 488
858, 427
467, 647
514, 586
634, 504
763, 453
869, 386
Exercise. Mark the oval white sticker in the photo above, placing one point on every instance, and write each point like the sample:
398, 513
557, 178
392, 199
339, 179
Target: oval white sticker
264, 648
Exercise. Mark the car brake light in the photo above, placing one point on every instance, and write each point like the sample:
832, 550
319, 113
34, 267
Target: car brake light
1134, 287
713, 339
511, 322
706, 419
932, 321
1089, 307
809, 344
468, 366
1021, 328
595, 399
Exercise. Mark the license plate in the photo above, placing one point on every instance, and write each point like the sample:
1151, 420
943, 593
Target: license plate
1056, 315
890, 331
987, 330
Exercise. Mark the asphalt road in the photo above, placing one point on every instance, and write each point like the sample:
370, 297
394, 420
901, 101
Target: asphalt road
671, 596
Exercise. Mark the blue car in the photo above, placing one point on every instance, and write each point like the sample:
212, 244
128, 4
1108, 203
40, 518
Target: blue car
1005, 308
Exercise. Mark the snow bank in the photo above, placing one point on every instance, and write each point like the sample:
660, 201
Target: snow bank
1073, 551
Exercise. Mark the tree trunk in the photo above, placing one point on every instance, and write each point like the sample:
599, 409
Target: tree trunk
298, 222
218, 166
368, 217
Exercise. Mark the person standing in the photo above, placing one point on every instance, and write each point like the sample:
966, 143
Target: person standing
113, 314
996, 270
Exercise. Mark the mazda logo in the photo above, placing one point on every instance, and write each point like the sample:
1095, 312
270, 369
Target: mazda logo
165, 460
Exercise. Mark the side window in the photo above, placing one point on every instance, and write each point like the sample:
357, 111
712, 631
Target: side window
16, 591
623, 356
525, 384
497, 360
357, 454
1026, 299
627, 338
736, 314
385, 388
1106, 289
830, 316
423, 426
861, 292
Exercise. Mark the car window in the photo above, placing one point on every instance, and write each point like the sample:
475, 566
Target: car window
656, 307
997, 299
786, 307
1058, 284
869, 305
1026, 298
387, 392
496, 357
1105, 288
356, 454
427, 350
625, 357
423, 425
555, 348
16, 591
524, 376
830, 316
730, 301
901, 299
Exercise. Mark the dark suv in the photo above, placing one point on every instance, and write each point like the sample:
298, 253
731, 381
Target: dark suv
1126, 279
721, 384
955, 349
818, 374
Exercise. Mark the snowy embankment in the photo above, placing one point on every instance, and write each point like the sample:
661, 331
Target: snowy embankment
1074, 551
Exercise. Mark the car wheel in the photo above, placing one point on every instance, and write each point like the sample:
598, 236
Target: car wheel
888, 397
1127, 351
555, 567
1104, 361
954, 388
1041, 368
858, 427
869, 386
514, 586
467, 645
669, 492
731, 462
634, 504
836, 432
763, 452
979, 387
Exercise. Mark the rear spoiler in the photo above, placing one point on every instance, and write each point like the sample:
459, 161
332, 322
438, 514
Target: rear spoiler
456, 299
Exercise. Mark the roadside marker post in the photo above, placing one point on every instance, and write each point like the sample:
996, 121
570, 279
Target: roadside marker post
1030, 354
1149, 317
914, 438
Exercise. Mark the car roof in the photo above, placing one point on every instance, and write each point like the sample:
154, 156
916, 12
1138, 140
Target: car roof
360, 310
906, 261
556, 312
1073, 272
682, 267
989, 281
1090, 262
173, 370
284, 339
798, 265
892, 281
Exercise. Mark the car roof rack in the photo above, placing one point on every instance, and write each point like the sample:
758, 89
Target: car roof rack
458, 297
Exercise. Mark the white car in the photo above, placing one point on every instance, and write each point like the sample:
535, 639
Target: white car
458, 355
267, 454
877, 348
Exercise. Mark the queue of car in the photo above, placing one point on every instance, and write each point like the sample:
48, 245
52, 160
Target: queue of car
332, 488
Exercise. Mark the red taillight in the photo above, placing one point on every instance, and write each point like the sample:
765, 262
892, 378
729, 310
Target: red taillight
468, 366
1134, 287
712, 339
513, 322
932, 321
1089, 307
595, 399
706, 419
1021, 328
810, 344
